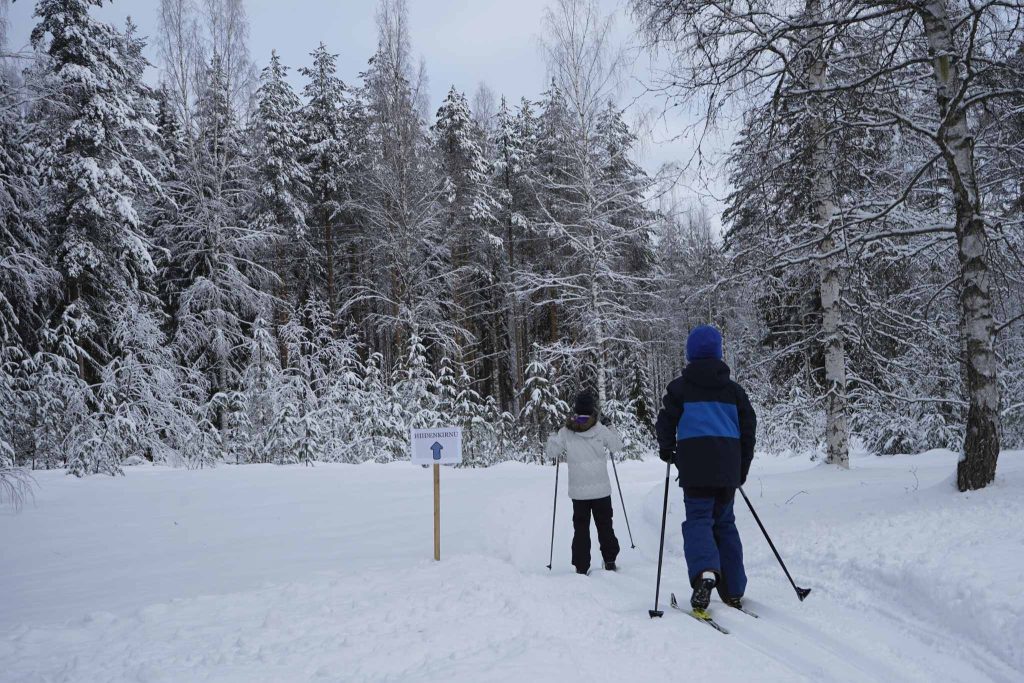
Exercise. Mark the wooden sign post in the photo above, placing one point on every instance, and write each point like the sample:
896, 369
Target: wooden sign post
437, 512
440, 446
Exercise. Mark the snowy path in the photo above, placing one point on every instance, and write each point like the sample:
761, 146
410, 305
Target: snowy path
323, 574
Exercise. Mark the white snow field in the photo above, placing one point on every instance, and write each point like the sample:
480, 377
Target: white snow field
263, 573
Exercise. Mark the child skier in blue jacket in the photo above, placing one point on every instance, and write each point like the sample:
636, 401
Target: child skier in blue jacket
706, 428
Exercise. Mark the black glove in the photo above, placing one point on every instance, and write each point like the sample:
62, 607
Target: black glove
666, 454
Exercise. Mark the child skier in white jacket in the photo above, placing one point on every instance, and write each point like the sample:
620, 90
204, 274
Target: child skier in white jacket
585, 443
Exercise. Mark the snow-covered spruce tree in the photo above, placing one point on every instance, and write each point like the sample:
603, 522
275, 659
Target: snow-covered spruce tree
543, 408
282, 188
60, 402
141, 385
549, 179
315, 358
416, 387
460, 405
326, 156
286, 434
259, 399
162, 211
343, 406
468, 215
336, 380
383, 435
447, 391
97, 125
513, 157
638, 394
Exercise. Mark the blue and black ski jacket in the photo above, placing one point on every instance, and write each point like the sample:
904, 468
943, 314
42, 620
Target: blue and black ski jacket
708, 422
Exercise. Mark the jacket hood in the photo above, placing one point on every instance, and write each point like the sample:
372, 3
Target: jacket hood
707, 372
579, 427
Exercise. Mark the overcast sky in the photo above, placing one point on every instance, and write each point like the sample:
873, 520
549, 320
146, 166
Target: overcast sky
464, 42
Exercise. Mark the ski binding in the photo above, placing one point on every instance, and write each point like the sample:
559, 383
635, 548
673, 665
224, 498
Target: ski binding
700, 615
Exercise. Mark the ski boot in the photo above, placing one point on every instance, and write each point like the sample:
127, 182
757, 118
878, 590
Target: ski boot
734, 602
701, 597
610, 566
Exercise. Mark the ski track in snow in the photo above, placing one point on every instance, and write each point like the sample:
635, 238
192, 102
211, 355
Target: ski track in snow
324, 574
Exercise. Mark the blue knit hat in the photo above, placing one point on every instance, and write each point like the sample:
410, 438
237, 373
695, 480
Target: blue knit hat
704, 342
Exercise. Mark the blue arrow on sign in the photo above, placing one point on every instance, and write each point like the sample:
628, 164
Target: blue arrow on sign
437, 448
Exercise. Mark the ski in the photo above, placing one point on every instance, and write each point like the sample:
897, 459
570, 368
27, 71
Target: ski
701, 615
744, 610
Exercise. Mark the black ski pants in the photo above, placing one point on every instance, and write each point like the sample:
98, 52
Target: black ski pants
601, 509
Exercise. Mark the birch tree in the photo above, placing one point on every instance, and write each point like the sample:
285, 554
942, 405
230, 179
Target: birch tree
590, 193
718, 57
956, 50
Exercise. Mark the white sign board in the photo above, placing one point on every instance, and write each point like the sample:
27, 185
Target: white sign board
440, 446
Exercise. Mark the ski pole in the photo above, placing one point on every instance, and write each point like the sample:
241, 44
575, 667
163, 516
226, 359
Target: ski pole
621, 500
800, 592
661, 547
554, 507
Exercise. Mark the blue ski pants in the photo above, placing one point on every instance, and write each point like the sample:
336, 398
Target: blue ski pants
711, 541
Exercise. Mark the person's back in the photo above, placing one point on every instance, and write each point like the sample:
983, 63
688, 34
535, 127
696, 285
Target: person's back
707, 428
585, 443
709, 424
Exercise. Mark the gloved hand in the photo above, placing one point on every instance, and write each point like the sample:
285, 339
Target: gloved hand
666, 454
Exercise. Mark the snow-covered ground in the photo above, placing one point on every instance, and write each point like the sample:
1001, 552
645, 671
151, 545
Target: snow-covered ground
263, 573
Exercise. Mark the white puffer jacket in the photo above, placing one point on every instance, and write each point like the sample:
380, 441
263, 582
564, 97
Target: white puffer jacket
585, 447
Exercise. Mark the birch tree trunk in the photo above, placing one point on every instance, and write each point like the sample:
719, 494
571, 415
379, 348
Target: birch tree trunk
977, 467
837, 422
602, 374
